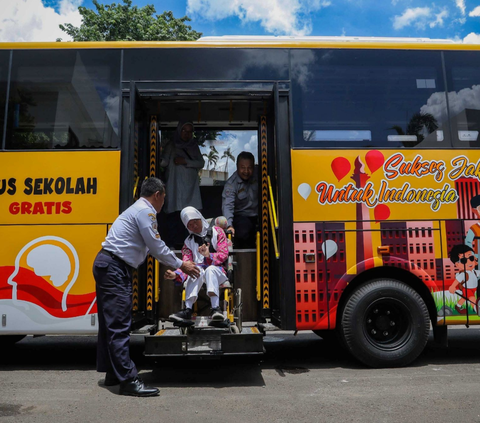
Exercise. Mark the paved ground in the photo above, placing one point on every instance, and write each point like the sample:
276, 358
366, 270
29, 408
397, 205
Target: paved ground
300, 379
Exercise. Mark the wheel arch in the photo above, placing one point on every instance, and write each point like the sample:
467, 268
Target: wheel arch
396, 273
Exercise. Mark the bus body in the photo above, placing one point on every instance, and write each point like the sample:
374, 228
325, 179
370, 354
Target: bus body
368, 171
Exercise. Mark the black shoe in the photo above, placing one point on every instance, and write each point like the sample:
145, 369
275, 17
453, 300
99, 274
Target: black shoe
111, 380
185, 314
134, 387
216, 314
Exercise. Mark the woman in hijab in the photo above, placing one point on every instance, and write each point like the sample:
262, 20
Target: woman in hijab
209, 255
182, 160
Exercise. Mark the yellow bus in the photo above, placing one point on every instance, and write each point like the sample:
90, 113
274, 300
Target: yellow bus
369, 183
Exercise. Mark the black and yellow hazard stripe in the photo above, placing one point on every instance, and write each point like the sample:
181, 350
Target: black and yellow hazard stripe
265, 252
135, 197
152, 172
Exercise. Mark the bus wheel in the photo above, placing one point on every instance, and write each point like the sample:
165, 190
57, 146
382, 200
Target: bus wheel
8, 340
385, 323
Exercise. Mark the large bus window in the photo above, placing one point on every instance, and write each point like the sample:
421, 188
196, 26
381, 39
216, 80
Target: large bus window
4, 59
64, 99
219, 149
368, 98
205, 64
463, 82
220, 154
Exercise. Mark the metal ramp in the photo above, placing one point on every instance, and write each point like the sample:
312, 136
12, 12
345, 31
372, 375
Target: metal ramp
204, 342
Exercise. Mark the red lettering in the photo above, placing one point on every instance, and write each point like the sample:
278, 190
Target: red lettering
14, 208
38, 208
26, 208
67, 207
49, 206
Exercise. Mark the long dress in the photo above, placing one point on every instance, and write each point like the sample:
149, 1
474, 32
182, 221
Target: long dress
183, 184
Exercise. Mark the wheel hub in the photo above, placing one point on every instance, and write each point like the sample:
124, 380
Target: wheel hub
385, 324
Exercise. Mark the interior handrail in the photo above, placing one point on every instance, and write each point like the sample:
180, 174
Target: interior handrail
274, 236
275, 219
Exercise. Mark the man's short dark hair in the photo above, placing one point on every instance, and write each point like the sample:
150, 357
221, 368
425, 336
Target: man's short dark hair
475, 201
245, 155
457, 250
150, 186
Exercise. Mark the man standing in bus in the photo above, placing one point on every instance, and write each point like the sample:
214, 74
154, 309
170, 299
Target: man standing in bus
240, 201
132, 236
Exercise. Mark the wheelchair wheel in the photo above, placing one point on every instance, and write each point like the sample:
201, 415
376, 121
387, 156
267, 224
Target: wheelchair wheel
237, 314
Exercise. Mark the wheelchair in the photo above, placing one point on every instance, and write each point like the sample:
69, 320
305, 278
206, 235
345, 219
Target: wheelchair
230, 298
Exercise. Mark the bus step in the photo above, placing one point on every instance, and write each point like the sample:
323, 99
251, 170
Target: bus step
144, 330
204, 342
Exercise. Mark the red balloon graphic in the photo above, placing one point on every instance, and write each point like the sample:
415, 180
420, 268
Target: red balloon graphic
374, 159
381, 212
341, 166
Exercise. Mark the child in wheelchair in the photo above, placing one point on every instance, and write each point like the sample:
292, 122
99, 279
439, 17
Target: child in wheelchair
207, 246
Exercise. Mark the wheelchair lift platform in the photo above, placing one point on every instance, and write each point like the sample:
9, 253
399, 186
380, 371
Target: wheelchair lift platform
194, 341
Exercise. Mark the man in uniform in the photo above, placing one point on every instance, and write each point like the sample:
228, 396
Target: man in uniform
240, 201
132, 236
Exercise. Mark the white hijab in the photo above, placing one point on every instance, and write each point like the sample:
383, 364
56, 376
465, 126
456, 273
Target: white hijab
191, 213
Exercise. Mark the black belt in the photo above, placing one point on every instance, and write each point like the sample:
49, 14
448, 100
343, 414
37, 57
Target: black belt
113, 256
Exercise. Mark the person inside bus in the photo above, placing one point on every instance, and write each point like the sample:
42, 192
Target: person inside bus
132, 235
207, 247
182, 161
240, 201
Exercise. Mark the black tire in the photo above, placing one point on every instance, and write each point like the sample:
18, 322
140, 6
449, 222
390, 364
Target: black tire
385, 323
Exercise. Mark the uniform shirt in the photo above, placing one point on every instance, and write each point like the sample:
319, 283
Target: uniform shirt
134, 234
239, 197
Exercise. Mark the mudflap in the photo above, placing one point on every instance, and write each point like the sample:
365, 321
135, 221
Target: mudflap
204, 342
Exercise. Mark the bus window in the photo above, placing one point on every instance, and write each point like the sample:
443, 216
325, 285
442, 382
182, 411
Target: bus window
220, 154
64, 100
4, 59
206, 64
463, 81
219, 149
368, 98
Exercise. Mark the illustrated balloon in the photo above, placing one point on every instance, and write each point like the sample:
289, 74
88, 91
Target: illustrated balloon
381, 212
374, 159
304, 190
329, 248
340, 166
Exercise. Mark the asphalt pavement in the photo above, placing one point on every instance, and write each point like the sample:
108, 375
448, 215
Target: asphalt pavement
300, 379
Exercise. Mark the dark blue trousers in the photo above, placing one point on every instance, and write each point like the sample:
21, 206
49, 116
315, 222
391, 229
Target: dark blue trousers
245, 231
114, 303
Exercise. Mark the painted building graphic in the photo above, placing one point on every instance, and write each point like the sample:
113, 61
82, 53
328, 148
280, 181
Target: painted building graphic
402, 210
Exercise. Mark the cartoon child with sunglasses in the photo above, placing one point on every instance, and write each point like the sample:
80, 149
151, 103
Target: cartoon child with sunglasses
466, 279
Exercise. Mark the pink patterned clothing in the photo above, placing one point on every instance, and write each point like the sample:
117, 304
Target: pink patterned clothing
216, 259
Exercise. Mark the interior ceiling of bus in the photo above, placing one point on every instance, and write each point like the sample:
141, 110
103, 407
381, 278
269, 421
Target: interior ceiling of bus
213, 113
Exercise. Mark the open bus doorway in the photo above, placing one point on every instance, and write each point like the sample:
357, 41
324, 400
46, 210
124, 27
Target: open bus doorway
225, 125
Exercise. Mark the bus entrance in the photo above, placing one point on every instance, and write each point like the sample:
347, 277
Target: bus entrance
226, 122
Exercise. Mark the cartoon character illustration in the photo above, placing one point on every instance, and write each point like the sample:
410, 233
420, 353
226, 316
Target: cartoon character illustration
472, 238
466, 279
